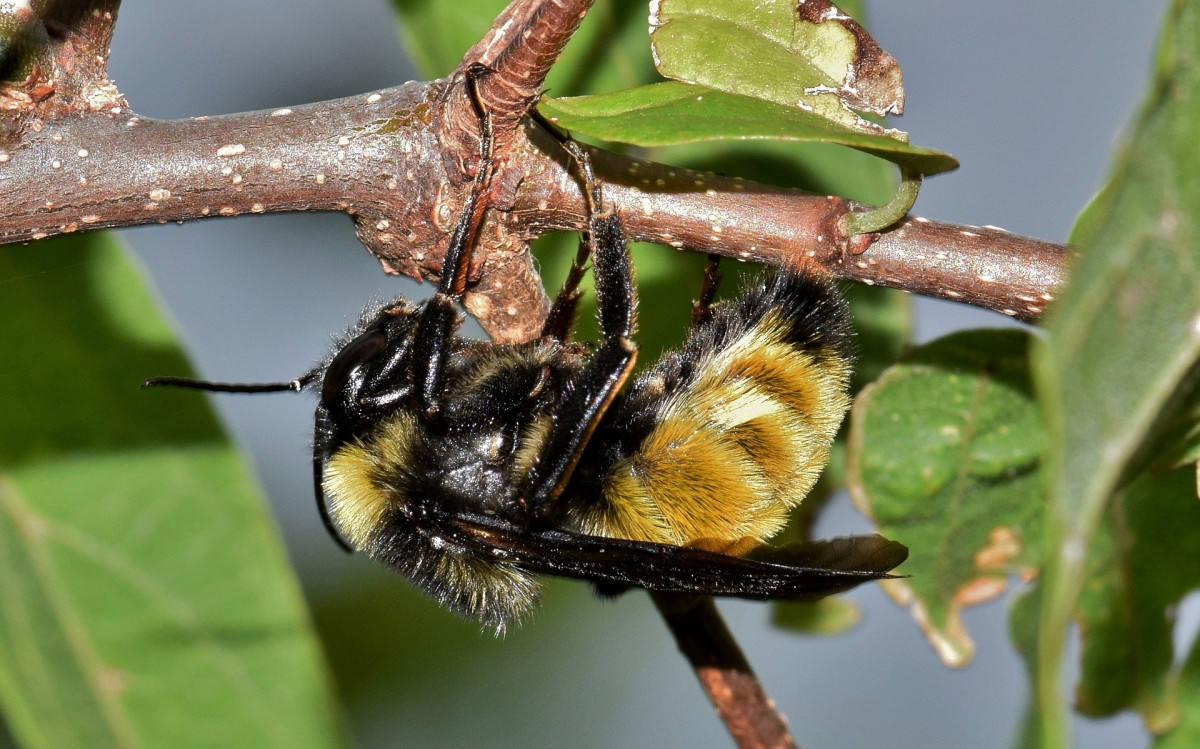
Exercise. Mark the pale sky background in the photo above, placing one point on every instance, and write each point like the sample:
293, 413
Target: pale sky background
1030, 96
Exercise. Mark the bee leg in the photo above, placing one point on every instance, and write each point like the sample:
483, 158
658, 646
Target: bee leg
561, 320
609, 365
701, 308
439, 319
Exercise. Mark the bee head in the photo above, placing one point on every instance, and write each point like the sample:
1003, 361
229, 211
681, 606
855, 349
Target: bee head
369, 373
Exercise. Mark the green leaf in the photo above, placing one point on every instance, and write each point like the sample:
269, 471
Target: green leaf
144, 597
1124, 339
944, 453
815, 167
670, 113
803, 55
1023, 631
1179, 443
610, 53
1144, 559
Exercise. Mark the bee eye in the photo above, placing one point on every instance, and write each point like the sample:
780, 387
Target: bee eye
353, 354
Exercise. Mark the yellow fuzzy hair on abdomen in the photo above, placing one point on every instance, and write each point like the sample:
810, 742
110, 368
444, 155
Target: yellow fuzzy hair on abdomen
735, 449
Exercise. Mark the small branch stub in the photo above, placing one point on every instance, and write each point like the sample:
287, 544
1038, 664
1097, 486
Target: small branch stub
55, 56
723, 672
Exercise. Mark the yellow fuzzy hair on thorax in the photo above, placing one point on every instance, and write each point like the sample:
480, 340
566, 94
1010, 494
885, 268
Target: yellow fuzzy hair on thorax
356, 492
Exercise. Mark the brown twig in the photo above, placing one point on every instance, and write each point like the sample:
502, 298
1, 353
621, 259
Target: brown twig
986, 267
726, 676
523, 42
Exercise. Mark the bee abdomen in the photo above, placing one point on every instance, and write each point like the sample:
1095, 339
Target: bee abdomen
735, 427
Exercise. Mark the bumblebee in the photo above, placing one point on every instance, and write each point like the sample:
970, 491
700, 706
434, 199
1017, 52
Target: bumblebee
473, 467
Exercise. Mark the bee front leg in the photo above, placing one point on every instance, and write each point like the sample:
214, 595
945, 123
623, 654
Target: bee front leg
439, 320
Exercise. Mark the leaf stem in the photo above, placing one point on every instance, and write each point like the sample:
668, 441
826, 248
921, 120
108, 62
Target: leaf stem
881, 217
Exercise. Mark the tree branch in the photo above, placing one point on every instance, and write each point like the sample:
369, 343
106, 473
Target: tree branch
378, 158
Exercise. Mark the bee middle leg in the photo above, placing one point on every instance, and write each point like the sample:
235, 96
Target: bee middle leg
609, 365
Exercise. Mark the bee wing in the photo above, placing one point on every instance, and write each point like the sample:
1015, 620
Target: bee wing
799, 571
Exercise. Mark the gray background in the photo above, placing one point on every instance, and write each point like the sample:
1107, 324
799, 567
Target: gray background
1030, 96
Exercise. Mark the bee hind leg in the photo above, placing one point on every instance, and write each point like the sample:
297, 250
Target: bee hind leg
702, 307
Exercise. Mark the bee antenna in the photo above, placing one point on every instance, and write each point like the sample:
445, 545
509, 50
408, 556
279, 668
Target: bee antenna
188, 383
